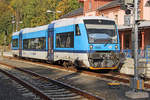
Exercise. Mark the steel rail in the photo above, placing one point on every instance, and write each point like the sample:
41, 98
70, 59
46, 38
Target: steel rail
28, 86
73, 89
94, 73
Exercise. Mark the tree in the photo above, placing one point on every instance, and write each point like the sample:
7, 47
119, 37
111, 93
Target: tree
65, 6
31, 12
5, 21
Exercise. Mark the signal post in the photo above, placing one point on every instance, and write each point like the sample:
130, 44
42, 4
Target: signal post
136, 83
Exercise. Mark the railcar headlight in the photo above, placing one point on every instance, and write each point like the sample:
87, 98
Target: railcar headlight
91, 46
116, 47
110, 47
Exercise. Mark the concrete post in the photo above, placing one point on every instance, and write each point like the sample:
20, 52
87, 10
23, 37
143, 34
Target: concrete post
136, 83
135, 43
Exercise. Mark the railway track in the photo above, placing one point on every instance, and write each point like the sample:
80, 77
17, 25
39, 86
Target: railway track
45, 88
115, 76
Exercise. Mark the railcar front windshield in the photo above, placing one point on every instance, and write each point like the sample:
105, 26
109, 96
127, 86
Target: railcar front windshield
101, 31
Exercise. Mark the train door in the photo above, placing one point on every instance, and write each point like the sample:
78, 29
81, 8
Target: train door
20, 44
51, 42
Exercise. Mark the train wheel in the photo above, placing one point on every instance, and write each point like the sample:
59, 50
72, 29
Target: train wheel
50, 62
60, 62
77, 64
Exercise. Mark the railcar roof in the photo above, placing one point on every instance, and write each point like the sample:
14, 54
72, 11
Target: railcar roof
16, 33
61, 23
35, 29
78, 20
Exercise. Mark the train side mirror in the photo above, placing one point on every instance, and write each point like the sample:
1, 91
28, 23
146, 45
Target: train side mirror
77, 30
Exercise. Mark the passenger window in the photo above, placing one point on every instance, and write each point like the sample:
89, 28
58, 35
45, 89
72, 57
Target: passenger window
77, 30
15, 43
35, 43
65, 40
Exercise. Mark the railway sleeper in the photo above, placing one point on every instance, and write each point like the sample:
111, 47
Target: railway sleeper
49, 86
62, 95
55, 90
29, 94
57, 93
68, 98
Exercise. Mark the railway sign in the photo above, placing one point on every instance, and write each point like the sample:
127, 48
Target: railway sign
127, 20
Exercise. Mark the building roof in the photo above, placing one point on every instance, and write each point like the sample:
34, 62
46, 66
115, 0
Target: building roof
76, 12
110, 5
143, 24
123, 27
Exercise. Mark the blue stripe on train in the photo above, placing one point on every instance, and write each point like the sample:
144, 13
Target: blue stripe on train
13, 48
67, 51
34, 49
79, 51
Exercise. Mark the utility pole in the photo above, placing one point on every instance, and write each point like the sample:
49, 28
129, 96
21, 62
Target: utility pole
17, 26
13, 22
135, 43
136, 83
54, 13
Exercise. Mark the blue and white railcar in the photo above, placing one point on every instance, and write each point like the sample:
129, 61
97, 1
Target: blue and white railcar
34, 42
31, 42
89, 42
15, 43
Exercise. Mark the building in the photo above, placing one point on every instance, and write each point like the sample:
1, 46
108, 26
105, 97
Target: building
113, 9
75, 13
91, 6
